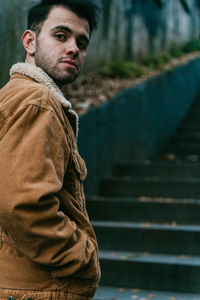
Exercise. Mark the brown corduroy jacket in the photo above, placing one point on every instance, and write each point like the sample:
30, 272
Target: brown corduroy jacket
47, 244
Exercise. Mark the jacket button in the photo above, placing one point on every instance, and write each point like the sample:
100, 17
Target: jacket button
11, 298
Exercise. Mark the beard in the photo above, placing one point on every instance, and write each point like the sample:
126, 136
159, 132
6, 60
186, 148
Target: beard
44, 61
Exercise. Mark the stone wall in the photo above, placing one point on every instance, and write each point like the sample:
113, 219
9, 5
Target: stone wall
12, 24
133, 29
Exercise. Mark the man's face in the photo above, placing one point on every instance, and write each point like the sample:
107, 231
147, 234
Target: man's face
62, 44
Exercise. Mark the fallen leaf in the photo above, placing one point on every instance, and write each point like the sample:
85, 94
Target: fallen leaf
192, 157
174, 224
145, 225
113, 254
173, 298
123, 257
183, 256
121, 290
144, 199
169, 200
151, 296
126, 178
136, 291
100, 198
170, 156
135, 297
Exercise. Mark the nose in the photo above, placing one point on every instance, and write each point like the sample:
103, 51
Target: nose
71, 48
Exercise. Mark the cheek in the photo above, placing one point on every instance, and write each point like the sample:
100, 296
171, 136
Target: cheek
50, 47
82, 57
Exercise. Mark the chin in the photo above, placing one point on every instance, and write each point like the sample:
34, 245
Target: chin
64, 80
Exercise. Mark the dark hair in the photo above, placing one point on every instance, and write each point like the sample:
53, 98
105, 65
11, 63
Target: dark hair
87, 9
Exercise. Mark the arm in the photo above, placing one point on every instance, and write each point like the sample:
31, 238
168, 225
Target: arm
33, 156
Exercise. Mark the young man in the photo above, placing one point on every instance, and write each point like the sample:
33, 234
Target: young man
48, 249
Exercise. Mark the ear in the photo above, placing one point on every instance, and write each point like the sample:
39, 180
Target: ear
29, 41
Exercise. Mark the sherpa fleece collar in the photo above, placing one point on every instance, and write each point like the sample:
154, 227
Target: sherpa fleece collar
41, 77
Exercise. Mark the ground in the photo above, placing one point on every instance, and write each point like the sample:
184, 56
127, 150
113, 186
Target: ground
92, 89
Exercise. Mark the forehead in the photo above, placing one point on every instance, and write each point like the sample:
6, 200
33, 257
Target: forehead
59, 16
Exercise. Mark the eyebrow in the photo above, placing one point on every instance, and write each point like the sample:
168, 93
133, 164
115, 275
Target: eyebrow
67, 29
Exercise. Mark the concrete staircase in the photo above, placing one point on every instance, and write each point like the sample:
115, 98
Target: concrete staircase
147, 221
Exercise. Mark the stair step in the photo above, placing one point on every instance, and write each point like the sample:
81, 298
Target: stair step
151, 187
113, 293
157, 210
154, 238
148, 168
176, 140
193, 114
188, 127
193, 117
141, 270
147, 222
194, 107
186, 135
178, 158
184, 148
189, 120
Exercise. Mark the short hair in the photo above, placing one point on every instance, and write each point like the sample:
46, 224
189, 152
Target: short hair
87, 9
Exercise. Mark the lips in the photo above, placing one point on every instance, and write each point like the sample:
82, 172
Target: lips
70, 62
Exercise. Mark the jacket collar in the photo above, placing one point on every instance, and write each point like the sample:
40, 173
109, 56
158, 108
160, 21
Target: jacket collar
41, 77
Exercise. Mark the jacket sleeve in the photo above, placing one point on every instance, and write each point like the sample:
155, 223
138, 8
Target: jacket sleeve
33, 156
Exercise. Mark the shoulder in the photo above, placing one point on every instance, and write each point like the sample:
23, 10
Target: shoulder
22, 91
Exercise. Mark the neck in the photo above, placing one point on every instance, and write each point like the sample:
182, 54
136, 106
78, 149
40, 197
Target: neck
30, 60
58, 83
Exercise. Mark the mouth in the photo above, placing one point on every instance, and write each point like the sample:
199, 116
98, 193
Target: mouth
70, 63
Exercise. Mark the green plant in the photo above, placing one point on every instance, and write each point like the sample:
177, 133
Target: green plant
192, 46
125, 69
122, 69
156, 61
176, 51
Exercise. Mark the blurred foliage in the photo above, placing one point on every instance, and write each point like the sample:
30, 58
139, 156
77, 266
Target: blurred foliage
124, 69
121, 69
192, 46
177, 51
156, 61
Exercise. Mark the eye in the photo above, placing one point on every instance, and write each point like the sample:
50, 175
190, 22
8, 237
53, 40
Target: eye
82, 45
60, 36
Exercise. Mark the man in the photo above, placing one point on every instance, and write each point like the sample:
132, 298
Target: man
48, 249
